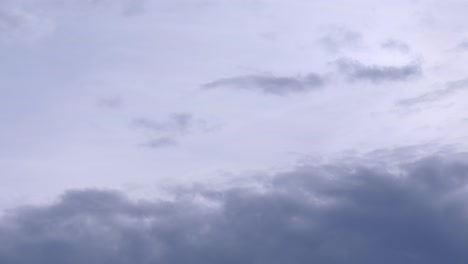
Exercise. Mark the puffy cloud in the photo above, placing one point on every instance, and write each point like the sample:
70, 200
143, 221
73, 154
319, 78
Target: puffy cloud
353, 211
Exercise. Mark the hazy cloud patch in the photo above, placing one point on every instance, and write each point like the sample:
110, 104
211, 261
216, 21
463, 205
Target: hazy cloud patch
269, 84
161, 142
340, 38
19, 24
164, 133
176, 123
126, 7
396, 45
114, 102
462, 46
353, 212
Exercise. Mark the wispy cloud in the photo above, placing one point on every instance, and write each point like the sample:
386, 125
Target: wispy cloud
462, 46
18, 24
161, 142
450, 89
269, 84
164, 133
176, 123
396, 45
339, 38
357, 71
111, 102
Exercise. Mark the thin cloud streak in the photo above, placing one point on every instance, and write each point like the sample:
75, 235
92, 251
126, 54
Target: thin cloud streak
270, 85
450, 89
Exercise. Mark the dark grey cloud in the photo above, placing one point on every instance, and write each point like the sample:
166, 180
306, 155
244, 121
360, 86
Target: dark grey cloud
450, 89
341, 212
357, 71
340, 38
396, 45
271, 85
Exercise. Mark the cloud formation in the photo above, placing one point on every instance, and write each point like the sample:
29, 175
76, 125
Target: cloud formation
271, 85
342, 212
357, 71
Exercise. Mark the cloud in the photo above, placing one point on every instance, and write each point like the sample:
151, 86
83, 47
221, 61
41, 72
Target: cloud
160, 142
340, 38
18, 24
450, 89
113, 102
128, 7
341, 212
462, 46
179, 123
356, 71
271, 85
164, 133
396, 45
284, 86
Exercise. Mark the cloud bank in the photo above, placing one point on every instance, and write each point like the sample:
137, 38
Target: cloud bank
352, 211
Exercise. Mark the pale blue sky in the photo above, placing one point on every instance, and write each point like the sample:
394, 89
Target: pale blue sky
76, 76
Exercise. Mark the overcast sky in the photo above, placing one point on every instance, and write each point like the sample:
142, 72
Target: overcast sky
205, 113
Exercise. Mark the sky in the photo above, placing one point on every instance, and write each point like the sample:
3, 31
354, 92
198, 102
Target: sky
233, 131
